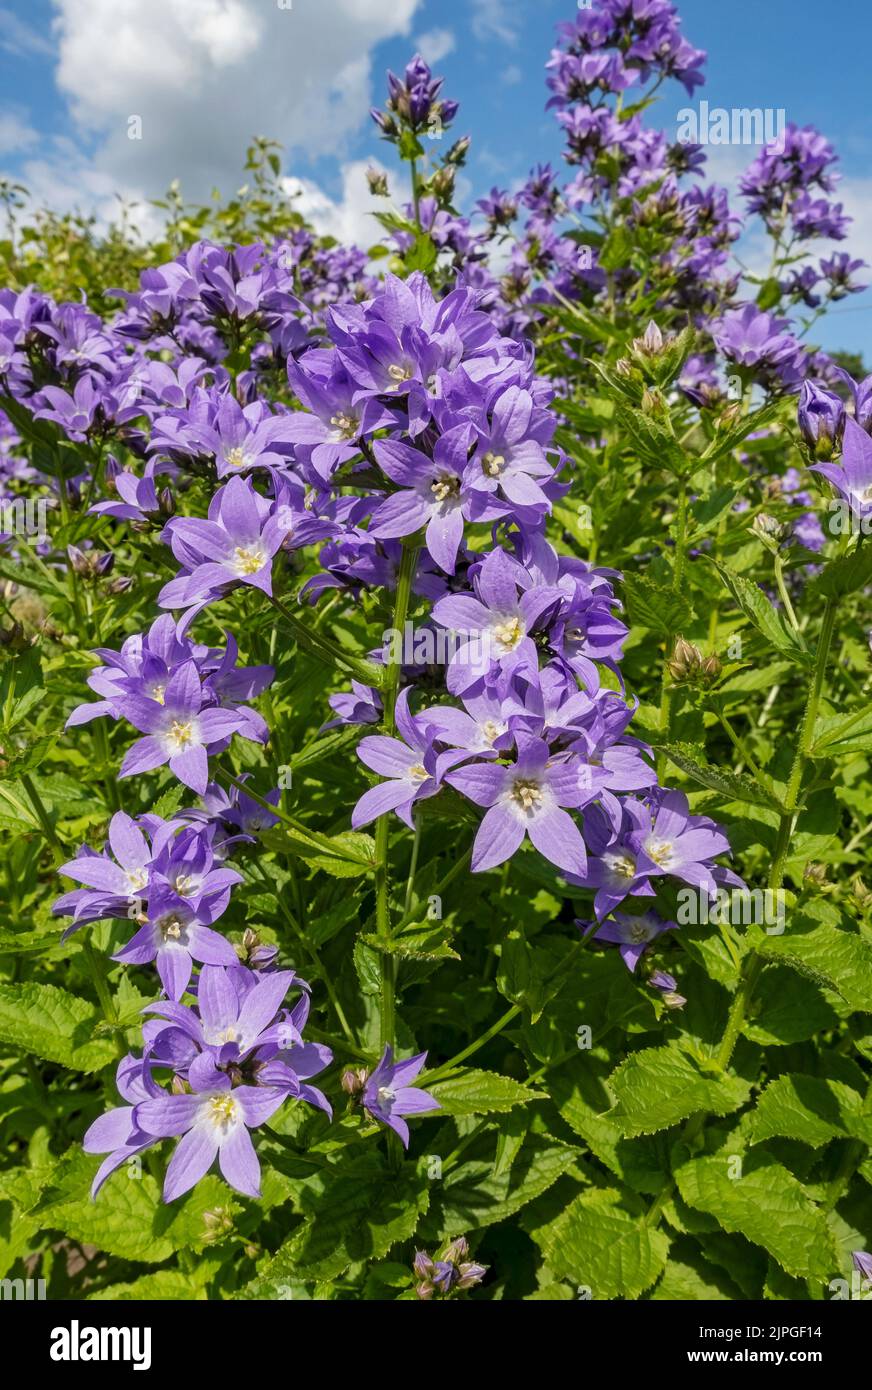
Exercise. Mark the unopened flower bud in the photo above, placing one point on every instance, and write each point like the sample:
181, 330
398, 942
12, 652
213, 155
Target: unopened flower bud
378, 183
651, 342
442, 183
685, 662
218, 1223
459, 150
770, 530
815, 874
120, 584
821, 419
711, 668
166, 502
861, 892
672, 1000
354, 1080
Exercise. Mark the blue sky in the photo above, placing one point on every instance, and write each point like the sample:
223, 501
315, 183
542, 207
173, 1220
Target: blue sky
205, 74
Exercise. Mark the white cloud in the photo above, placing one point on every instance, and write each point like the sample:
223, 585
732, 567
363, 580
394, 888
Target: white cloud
15, 134
349, 218
19, 37
494, 19
511, 75
435, 45
205, 76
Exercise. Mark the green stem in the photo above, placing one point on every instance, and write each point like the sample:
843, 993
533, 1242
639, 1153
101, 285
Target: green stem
413, 869
785, 596
806, 738
326, 651
321, 841
502, 1022
754, 963
741, 749
42, 814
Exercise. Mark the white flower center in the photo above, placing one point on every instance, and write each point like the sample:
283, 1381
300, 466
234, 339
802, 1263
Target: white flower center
493, 464
239, 458
399, 371
660, 851
158, 692
445, 486
527, 795
182, 734
222, 1112
171, 928
248, 559
346, 426
418, 773
508, 633
386, 1095
621, 865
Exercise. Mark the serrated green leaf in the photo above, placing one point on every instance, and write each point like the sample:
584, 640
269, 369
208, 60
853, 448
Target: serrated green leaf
839, 960
766, 1204
734, 786
601, 1243
480, 1093
844, 576
53, 1024
474, 1195
356, 1212
655, 606
660, 1086
811, 1109
764, 616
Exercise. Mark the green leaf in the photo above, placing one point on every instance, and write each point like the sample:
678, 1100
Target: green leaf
342, 856
765, 1204
474, 1194
655, 606
480, 1093
355, 1212
764, 616
21, 687
707, 511
787, 1009
843, 733
419, 941
422, 255
652, 439
691, 1280
844, 576
127, 1218
525, 976
839, 960
601, 1243
660, 1086
53, 1024
733, 786
811, 1109
580, 1093
725, 441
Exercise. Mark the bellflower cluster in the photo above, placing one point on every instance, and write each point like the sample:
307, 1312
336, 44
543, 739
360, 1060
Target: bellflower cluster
232, 1059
